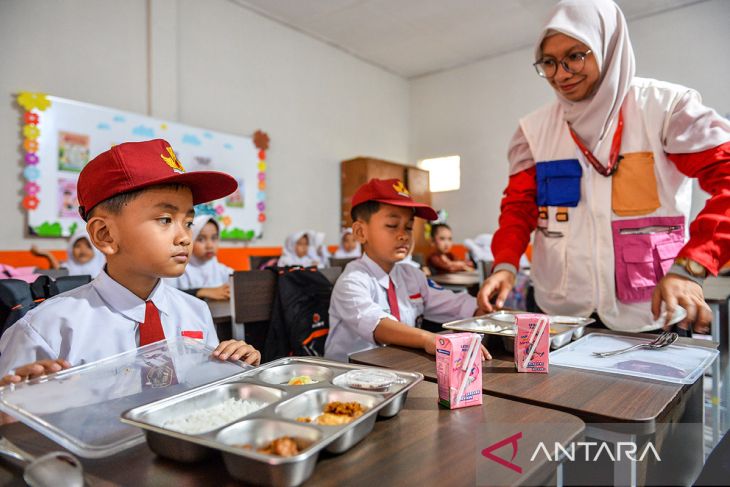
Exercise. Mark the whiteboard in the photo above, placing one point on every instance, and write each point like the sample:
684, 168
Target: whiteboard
72, 133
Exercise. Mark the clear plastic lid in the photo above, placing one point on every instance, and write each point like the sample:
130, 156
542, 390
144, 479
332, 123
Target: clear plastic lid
373, 380
79, 408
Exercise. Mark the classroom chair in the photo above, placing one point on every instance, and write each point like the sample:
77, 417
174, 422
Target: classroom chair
252, 301
335, 262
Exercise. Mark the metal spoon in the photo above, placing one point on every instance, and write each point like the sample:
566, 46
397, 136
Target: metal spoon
52, 469
663, 340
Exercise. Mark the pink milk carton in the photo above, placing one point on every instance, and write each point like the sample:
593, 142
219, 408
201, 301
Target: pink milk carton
532, 343
459, 369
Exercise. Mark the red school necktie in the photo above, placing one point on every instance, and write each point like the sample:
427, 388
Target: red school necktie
150, 331
393, 300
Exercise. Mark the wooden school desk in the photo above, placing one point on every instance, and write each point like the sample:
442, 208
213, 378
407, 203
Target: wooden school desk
422, 445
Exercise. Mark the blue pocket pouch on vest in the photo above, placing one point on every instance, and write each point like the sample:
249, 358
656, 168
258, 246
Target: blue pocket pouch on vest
558, 183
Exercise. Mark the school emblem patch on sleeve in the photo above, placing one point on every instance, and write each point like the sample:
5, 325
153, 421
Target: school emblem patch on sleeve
433, 285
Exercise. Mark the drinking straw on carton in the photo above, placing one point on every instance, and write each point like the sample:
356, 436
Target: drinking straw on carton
472, 345
542, 323
474, 351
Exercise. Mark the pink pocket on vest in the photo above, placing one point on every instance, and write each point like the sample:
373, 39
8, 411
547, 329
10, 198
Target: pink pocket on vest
639, 265
644, 249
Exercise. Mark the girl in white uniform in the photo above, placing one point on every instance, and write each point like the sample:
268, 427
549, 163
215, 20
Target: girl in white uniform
83, 258
349, 247
296, 251
204, 276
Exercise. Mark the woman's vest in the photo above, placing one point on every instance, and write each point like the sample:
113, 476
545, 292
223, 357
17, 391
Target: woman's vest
603, 243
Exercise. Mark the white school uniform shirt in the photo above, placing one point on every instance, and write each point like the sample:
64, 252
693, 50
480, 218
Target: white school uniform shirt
98, 320
360, 300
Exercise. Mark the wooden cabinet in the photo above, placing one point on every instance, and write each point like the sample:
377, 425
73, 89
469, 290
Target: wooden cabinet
358, 171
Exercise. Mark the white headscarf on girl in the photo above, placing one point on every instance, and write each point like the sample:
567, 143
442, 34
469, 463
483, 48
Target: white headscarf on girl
317, 249
91, 268
600, 25
341, 253
202, 273
289, 255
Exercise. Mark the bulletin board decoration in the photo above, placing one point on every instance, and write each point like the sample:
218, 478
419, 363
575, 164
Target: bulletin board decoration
261, 141
33, 104
60, 136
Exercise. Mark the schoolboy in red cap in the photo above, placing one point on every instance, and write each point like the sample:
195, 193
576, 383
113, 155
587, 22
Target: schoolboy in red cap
376, 302
137, 201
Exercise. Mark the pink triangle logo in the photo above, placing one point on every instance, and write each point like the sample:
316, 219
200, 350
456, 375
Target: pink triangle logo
512, 440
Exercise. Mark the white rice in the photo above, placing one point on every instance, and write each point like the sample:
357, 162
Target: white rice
210, 418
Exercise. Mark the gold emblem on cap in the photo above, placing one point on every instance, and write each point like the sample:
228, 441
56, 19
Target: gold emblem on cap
172, 160
400, 188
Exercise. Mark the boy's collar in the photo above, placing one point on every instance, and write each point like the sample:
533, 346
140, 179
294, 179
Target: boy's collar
378, 272
125, 302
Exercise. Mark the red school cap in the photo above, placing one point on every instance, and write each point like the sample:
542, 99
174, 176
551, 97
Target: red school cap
391, 192
135, 165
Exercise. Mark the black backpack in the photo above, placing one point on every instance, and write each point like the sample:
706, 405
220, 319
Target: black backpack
17, 297
300, 317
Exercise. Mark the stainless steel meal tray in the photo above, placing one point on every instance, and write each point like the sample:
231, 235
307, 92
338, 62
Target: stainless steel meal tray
283, 405
501, 323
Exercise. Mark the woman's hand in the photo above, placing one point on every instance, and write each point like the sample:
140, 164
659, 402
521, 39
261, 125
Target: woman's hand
498, 284
674, 289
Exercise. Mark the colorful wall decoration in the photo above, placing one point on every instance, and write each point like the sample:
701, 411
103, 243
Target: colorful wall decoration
61, 136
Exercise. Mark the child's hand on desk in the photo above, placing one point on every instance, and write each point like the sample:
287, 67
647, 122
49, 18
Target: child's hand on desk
33, 370
237, 350
220, 293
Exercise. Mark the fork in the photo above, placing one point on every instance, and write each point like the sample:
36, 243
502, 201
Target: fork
663, 340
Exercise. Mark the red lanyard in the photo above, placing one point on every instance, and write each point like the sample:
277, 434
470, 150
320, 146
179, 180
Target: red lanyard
615, 148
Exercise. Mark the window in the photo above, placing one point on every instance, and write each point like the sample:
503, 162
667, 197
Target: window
444, 173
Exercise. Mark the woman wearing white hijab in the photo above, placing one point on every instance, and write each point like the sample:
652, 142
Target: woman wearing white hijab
296, 251
349, 247
603, 174
83, 258
204, 276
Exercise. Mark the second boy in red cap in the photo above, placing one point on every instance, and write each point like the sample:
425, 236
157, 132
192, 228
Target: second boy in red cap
376, 302
138, 202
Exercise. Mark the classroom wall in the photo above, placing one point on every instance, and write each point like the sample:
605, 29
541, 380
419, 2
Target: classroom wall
473, 110
211, 64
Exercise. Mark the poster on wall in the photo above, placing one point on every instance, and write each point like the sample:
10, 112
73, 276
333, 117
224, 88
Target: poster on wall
61, 136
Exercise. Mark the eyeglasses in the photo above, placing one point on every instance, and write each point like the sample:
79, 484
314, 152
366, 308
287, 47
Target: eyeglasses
572, 63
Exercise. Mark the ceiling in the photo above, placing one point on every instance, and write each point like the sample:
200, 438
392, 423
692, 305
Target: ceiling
413, 38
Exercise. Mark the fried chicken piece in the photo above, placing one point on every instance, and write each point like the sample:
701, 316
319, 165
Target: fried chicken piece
351, 409
283, 447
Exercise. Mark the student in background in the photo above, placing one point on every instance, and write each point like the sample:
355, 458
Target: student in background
138, 202
376, 302
317, 248
349, 247
83, 258
205, 277
442, 260
296, 251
